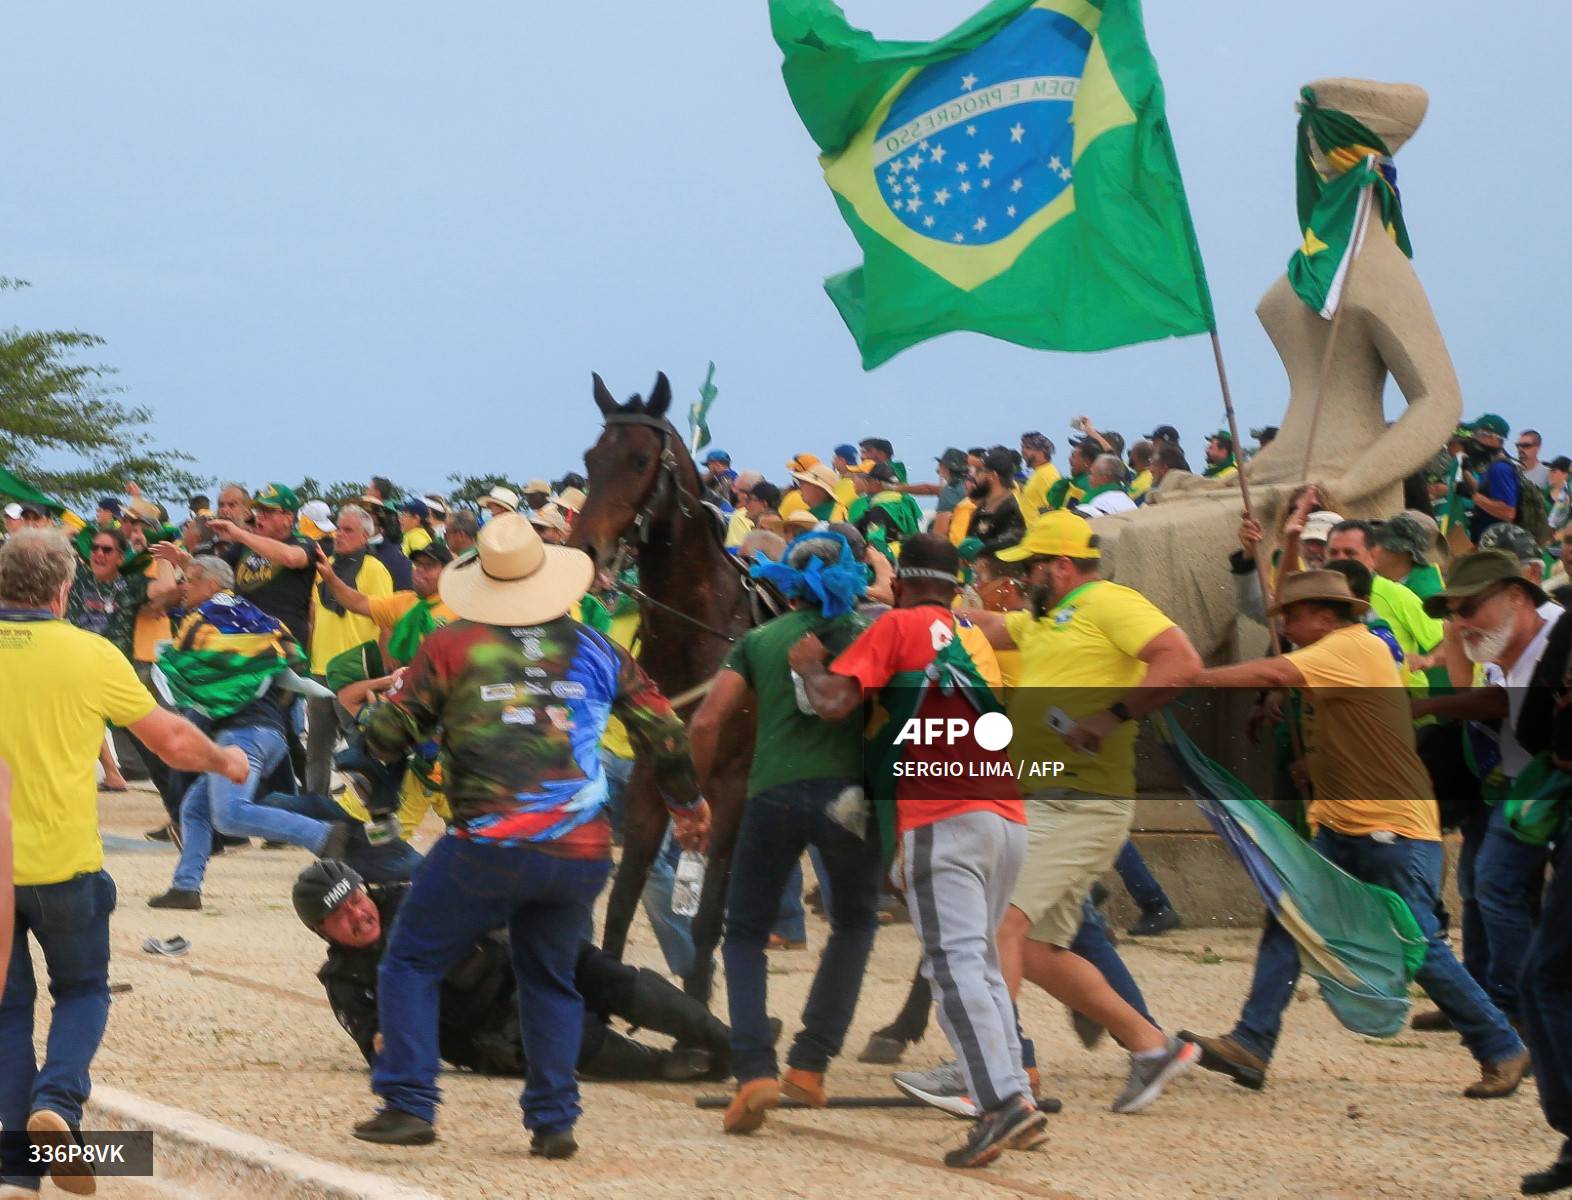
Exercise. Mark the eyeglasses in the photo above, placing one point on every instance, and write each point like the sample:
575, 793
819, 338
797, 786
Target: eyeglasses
1468, 608
100, 548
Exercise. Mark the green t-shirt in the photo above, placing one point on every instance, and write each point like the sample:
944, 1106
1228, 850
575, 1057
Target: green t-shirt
791, 745
1424, 581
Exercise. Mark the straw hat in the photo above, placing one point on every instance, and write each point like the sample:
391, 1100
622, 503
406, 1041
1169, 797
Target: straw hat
549, 517
1316, 585
572, 499
820, 476
503, 497
800, 519
514, 578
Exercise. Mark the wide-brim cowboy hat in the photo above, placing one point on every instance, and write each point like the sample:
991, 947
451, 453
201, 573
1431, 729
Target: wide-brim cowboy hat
1331, 586
514, 578
820, 476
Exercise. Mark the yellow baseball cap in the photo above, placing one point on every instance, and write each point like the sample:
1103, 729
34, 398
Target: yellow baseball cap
1057, 534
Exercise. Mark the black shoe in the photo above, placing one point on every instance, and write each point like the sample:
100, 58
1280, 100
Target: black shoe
1556, 1177
882, 1049
1014, 1122
1087, 1030
684, 1064
164, 833
275, 844
553, 1145
394, 1127
1153, 923
177, 898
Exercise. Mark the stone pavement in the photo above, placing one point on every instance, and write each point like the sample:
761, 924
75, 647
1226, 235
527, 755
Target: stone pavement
238, 1032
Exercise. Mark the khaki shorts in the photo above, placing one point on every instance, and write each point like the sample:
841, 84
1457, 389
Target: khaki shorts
1072, 839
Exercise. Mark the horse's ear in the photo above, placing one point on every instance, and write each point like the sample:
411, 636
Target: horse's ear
604, 400
660, 396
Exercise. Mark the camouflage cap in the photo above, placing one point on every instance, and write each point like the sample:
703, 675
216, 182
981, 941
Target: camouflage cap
1404, 535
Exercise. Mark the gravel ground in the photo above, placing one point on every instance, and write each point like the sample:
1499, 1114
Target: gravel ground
239, 1032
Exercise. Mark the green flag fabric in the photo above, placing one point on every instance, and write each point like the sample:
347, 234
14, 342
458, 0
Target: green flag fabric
226, 655
1015, 177
1330, 210
699, 413
1359, 942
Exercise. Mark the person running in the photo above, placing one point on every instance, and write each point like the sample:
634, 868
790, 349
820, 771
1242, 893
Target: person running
58, 687
1096, 657
804, 789
521, 694
961, 842
1374, 815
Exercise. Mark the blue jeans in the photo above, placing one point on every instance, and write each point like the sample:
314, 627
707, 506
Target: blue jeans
463, 890
213, 801
674, 933
70, 922
1412, 869
1476, 943
392, 863
1506, 879
1546, 991
776, 826
1139, 881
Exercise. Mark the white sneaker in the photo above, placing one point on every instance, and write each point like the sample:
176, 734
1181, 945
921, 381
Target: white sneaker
1149, 1076
944, 1087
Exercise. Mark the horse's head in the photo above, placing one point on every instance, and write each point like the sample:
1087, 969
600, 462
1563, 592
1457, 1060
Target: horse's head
638, 469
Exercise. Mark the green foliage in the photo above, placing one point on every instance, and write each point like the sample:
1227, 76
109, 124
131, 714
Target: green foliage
467, 489
63, 427
335, 494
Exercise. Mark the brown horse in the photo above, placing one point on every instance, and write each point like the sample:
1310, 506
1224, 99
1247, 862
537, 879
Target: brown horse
694, 603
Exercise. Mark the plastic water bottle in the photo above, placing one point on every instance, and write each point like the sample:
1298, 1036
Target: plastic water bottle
689, 884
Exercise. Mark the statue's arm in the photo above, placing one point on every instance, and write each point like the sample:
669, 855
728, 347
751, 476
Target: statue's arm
1405, 335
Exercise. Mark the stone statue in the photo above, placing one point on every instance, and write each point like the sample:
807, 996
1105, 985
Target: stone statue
1175, 550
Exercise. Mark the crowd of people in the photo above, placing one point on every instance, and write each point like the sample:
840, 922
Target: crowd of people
461, 658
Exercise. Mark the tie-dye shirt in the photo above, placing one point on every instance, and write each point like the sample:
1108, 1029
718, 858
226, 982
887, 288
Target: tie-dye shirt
521, 710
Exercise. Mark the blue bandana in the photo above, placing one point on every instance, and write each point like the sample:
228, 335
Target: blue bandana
834, 588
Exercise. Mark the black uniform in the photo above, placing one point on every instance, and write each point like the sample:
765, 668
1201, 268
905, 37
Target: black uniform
478, 1022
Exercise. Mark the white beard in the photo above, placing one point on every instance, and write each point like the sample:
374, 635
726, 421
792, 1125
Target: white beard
1487, 647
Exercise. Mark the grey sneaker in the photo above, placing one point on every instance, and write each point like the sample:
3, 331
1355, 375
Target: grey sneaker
1149, 1076
944, 1087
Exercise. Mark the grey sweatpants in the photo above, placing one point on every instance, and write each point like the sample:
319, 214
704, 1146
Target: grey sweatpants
958, 875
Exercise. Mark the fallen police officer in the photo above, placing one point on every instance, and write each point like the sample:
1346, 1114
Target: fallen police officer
479, 1011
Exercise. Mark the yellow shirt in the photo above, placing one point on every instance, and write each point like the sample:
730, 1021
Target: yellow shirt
151, 627
845, 493
1080, 658
615, 739
416, 539
1140, 485
738, 528
59, 686
333, 633
961, 520
388, 611
1365, 774
1034, 492
791, 502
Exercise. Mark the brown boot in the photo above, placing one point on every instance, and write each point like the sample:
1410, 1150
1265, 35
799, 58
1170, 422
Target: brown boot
1498, 1079
1228, 1057
1432, 1020
807, 1086
748, 1107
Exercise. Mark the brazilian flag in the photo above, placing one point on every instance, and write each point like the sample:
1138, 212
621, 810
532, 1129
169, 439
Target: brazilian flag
1360, 942
225, 655
1016, 177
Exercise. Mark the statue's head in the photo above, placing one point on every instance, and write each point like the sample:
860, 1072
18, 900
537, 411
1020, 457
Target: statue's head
1393, 110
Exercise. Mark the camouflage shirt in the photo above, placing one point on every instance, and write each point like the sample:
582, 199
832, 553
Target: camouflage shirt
521, 712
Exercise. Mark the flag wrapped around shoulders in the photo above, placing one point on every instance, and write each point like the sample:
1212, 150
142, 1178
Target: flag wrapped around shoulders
1015, 177
225, 655
1331, 210
1358, 941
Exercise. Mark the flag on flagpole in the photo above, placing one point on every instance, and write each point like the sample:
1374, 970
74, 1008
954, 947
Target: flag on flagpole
699, 413
1015, 177
1358, 941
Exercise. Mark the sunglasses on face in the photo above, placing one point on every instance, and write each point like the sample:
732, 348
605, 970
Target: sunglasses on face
99, 548
1468, 608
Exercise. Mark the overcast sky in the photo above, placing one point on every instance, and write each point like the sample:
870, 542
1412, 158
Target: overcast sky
354, 238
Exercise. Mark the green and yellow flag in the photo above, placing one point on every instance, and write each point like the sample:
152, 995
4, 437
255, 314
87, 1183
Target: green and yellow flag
1015, 177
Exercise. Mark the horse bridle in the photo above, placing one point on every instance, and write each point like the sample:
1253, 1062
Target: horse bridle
666, 486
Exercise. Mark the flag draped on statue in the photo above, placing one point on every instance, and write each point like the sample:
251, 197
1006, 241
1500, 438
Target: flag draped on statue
1358, 941
1015, 177
699, 413
1332, 211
